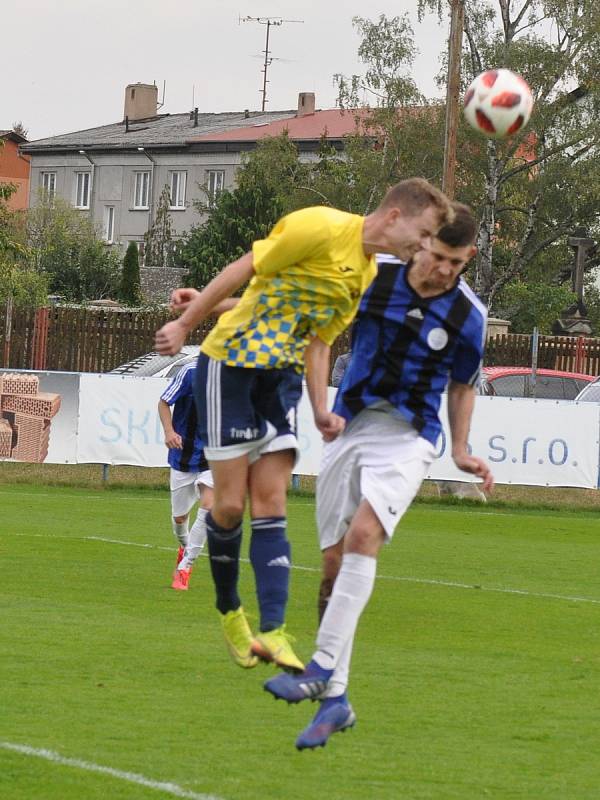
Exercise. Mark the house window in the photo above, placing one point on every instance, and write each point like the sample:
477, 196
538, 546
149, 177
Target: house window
178, 180
49, 185
109, 224
142, 190
82, 194
215, 184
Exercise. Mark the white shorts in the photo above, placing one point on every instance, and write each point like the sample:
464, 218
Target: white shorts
379, 458
286, 441
186, 488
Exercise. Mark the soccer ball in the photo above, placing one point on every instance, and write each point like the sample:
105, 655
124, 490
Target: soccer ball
498, 103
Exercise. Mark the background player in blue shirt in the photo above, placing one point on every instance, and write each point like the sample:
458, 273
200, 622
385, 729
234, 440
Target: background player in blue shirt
190, 478
419, 326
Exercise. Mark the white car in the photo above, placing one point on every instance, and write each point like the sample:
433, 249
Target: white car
590, 393
153, 364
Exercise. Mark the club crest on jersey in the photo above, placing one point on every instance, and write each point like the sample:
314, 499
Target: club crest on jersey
437, 338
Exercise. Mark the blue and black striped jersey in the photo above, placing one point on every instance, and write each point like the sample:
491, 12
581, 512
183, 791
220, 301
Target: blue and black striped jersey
406, 347
180, 394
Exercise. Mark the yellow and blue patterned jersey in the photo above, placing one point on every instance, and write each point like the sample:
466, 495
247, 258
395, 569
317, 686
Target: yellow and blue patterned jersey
310, 273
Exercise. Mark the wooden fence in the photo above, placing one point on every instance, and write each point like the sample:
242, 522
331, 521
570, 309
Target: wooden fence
77, 339
98, 340
568, 353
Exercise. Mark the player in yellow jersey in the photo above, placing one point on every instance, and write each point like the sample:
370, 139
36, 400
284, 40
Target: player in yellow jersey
306, 280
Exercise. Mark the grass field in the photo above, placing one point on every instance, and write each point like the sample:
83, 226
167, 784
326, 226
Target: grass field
476, 671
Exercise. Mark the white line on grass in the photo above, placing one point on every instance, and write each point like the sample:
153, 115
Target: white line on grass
401, 578
131, 777
163, 497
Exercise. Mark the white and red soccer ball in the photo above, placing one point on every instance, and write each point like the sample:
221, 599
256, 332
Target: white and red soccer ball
498, 103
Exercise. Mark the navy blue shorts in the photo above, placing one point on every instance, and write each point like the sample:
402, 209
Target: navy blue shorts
245, 410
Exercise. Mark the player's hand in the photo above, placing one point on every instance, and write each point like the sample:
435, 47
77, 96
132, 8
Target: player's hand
476, 466
169, 339
330, 425
174, 441
181, 298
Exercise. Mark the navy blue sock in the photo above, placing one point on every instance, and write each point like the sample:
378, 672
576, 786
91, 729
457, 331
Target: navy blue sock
224, 553
270, 556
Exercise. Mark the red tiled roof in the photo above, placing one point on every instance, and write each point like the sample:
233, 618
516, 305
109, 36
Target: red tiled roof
332, 122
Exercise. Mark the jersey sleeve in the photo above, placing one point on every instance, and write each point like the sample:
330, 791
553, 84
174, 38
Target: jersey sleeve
329, 333
180, 386
469, 355
294, 237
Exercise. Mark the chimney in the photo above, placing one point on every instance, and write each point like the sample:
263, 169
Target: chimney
306, 103
141, 101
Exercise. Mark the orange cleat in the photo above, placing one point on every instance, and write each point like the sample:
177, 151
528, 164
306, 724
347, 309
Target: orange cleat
181, 579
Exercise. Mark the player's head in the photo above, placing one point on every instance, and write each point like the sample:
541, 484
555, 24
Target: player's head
450, 249
411, 213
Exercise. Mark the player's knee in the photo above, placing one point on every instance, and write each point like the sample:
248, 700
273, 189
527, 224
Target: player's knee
180, 519
228, 513
364, 541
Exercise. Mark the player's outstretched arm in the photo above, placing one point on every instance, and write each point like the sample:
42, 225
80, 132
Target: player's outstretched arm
171, 337
181, 299
461, 401
317, 371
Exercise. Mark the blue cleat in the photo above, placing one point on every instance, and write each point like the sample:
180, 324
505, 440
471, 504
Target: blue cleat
335, 714
308, 685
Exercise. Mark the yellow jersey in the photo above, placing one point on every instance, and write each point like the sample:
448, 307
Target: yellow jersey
310, 273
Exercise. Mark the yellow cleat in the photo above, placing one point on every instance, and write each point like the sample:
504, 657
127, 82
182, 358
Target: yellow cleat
276, 646
238, 638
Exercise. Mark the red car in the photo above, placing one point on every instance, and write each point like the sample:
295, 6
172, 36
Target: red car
550, 384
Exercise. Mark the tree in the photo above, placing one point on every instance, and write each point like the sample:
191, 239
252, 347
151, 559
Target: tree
63, 245
130, 291
235, 220
18, 281
160, 245
19, 127
530, 305
533, 189
398, 133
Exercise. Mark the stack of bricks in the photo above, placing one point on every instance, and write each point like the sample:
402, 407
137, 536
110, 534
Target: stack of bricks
25, 415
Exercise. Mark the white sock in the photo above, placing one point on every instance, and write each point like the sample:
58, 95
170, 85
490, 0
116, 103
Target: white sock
180, 529
351, 592
338, 683
196, 539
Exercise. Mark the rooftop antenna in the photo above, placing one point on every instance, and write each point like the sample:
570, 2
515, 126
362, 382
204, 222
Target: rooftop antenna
268, 22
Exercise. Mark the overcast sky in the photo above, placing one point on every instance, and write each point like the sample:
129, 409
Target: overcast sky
65, 64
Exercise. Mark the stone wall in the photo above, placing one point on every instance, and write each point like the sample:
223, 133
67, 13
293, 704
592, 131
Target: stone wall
157, 283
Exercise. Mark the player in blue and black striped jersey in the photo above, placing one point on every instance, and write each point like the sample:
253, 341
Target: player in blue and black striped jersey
419, 329
190, 478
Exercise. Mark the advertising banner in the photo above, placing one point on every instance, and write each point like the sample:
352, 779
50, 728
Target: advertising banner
529, 442
526, 441
113, 419
38, 416
119, 421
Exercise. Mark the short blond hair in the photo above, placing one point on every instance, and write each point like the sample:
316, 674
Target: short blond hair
413, 195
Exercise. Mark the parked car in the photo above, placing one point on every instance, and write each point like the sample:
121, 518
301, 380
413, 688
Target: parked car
590, 393
550, 384
156, 365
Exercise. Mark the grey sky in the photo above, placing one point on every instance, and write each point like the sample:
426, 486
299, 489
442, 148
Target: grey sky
66, 63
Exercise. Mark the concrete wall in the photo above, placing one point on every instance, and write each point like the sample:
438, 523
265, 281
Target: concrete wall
114, 182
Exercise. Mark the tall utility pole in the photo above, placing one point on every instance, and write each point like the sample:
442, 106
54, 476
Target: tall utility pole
452, 95
268, 22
